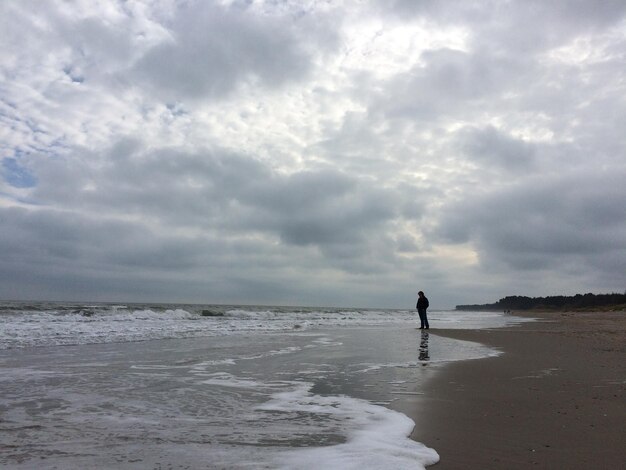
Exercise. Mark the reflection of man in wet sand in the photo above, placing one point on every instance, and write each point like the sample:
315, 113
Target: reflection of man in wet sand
422, 305
424, 356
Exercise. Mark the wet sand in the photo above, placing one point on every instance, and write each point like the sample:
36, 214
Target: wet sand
554, 400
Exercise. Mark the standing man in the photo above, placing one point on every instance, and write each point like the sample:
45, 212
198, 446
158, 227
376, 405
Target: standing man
422, 305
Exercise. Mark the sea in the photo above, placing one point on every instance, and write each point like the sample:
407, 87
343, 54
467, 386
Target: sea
155, 386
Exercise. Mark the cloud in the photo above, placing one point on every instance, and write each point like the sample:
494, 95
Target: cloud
521, 27
491, 147
316, 153
544, 222
211, 50
226, 194
322, 208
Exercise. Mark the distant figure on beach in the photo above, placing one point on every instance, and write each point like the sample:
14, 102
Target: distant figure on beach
422, 305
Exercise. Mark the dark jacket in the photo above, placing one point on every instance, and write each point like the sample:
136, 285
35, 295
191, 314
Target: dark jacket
422, 302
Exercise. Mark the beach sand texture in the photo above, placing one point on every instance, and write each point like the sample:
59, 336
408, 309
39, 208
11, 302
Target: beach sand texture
554, 400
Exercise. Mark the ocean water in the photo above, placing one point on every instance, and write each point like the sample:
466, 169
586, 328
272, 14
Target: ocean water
164, 386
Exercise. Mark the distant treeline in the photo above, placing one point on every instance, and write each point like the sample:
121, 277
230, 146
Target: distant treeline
556, 302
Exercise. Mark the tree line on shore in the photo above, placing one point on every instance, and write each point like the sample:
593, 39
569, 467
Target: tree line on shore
555, 302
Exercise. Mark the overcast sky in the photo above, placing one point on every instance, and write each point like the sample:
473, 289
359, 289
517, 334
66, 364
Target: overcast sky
310, 152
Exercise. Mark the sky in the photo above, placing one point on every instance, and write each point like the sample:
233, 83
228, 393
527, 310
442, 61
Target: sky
310, 152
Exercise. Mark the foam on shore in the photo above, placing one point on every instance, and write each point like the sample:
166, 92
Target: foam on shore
376, 437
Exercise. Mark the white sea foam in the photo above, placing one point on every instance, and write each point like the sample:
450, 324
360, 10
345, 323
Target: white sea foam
224, 379
376, 437
273, 352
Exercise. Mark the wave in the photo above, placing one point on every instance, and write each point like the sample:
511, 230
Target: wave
49, 324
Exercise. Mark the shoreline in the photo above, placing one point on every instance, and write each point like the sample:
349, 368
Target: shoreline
554, 399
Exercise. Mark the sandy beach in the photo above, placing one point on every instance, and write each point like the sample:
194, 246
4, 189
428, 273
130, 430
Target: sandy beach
554, 400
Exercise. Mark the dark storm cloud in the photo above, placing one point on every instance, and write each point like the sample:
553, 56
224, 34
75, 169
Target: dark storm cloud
50, 236
545, 222
449, 84
552, 21
321, 208
490, 147
226, 192
51, 254
180, 187
213, 49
